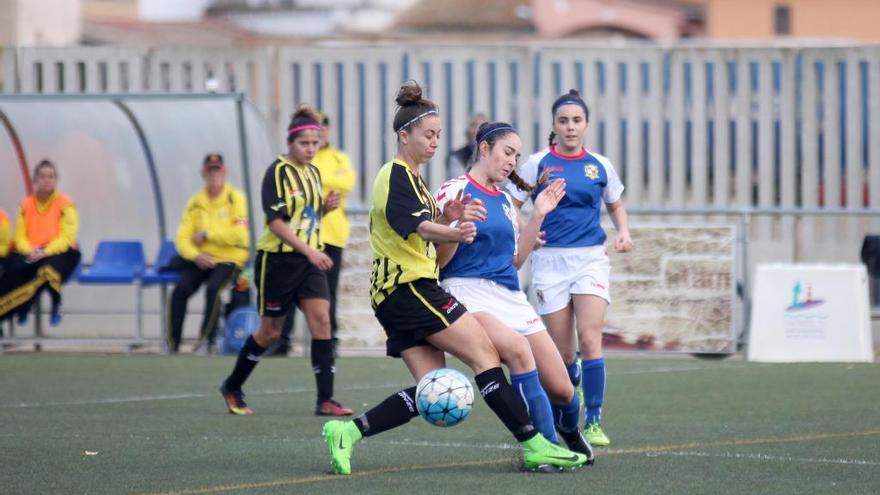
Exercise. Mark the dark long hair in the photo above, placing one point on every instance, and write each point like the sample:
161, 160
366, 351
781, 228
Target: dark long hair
305, 117
490, 133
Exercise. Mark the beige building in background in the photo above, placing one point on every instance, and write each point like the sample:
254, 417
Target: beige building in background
40, 22
761, 19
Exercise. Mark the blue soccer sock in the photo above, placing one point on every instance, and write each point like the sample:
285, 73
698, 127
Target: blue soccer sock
528, 386
594, 389
574, 372
566, 416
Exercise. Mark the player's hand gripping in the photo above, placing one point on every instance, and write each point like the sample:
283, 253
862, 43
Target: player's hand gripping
539, 241
464, 208
467, 231
35, 255
205, 261
319, 259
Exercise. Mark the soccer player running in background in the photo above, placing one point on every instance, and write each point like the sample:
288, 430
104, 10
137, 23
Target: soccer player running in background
571, 272
483, 276
337, 175
290, 267
213, 240
420, 319
46, 251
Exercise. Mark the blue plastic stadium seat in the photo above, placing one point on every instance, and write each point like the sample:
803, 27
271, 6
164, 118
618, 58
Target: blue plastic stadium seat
115, 262
152, 276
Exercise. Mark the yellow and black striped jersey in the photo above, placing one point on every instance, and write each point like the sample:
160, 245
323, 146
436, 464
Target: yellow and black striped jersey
401, 201
292, 193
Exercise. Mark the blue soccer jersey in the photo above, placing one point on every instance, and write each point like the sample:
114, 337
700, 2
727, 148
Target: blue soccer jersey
491, 254
590, 180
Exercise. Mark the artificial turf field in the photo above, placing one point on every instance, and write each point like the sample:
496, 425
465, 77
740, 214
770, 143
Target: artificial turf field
117, 424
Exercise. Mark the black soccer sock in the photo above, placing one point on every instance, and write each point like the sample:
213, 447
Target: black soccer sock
248, 358
505, 403
394, 411
323, 366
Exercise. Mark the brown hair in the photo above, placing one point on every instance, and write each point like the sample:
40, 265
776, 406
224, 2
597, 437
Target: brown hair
45, 163
412, 106
520, 184
303, 118
490, 133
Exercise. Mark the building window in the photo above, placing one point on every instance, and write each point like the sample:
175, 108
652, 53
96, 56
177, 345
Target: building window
782, 20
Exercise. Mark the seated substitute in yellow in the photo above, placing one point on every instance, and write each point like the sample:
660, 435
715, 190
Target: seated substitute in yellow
5, 239
213, 239
5, 235
46, 252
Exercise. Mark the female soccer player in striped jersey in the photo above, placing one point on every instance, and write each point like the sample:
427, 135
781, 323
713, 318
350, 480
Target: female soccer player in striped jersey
483, 276
570, 273
420, 318
290, 266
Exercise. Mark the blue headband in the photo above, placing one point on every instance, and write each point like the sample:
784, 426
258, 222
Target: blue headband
488, 133
579, 102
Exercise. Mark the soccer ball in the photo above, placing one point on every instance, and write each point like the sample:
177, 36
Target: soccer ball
444, 397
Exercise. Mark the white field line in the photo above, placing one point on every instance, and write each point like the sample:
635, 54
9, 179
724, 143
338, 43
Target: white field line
194, 395
767, 457
199, 395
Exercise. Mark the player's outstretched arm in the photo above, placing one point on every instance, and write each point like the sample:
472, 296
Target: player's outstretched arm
435, 232
620, 219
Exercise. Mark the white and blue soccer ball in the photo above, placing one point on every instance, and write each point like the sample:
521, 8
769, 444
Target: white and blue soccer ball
444, 397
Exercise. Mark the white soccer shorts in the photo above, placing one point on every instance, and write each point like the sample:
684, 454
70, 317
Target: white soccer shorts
557, 273
510, 306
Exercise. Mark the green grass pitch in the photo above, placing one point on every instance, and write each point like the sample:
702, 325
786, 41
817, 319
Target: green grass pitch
142, 424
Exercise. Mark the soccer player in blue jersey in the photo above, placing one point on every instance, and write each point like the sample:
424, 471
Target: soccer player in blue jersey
422, 320
570, 273
483, 276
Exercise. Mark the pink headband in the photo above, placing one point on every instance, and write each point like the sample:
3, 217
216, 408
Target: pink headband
303, 127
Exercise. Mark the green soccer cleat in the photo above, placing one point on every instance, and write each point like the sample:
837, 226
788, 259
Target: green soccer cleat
340, 437
539, 454
596, 436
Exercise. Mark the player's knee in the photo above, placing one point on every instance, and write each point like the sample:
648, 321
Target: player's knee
319, 326
268, 333
267, 337
560, 392
518, 355
485, 354
590, 337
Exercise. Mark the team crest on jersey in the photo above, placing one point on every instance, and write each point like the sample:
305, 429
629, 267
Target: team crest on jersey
544, 177
591, 171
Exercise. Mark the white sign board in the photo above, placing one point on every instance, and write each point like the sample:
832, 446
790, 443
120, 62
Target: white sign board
809, 312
